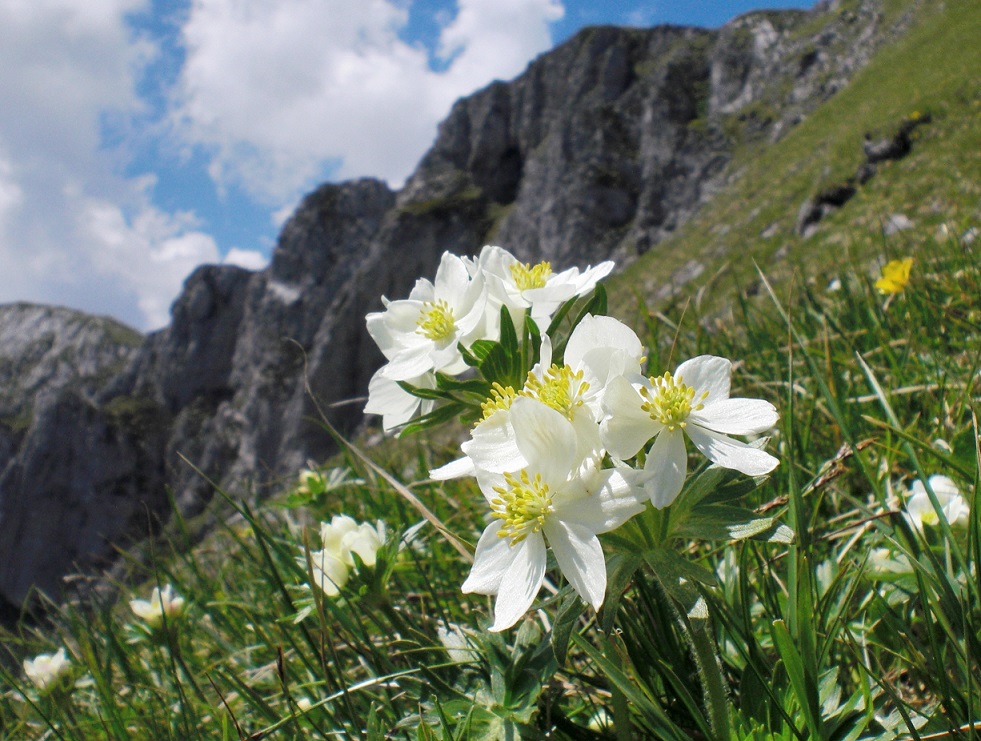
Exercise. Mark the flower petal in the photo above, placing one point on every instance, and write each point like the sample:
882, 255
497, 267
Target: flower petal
600, 332
603, 347
492, 446
667, 464
707, 373
453, 470
592, 275
729, 453
452, 279
387, 398
521, 582
490, 562
612, 496
409, 363
627, 428
737, 416
545, 438
580, 557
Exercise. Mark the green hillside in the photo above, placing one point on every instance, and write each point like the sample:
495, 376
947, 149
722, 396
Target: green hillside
836, 596
935, 69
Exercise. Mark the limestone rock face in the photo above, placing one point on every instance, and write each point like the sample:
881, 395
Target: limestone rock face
65, 466
600, 149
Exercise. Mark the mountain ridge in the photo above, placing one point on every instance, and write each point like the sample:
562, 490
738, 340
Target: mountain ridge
601, 149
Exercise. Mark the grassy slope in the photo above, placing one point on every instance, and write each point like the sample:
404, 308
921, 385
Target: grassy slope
935, 68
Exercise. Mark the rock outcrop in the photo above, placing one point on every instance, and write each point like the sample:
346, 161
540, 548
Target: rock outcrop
599, 149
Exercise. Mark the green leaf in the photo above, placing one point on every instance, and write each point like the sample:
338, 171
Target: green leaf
653, 713
598, 305
677, 575
807, 696
620, 570
715, 485
722, 522
559, 315
496, 366
476, 353
566, 617
509, 336
425, 393
438, 416
531, 343
474, 386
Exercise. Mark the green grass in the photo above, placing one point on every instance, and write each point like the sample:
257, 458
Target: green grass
816, 638
861, 627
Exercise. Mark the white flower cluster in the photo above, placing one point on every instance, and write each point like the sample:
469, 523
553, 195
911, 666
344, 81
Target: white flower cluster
341, 538
541, 453
420, 335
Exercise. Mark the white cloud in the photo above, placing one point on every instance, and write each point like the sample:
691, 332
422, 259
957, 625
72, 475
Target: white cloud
73, 231
168, 248
280, 90
248, 259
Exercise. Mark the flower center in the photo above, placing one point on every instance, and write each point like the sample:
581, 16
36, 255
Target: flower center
436, 320
525, 276
560, 388
523, 505
669, 401
500, 398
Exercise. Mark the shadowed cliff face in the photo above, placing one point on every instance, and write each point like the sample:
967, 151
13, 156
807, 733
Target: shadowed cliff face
600, 149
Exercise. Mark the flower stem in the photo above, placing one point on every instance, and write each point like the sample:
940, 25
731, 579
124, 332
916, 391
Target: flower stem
621, 710
714, 684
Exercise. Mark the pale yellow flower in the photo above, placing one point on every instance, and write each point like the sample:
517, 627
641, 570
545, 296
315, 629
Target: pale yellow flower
162, 603
46, 669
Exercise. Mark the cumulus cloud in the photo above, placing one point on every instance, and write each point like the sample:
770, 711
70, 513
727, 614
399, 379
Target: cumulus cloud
282, 91
73, 230
276, 94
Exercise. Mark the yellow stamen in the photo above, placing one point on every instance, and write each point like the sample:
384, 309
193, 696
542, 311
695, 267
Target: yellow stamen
523, 505
670, 401
560, 388
525, 276
436, 320
500, 398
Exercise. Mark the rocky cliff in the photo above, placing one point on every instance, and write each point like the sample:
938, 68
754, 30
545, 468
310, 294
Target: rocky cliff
601, 148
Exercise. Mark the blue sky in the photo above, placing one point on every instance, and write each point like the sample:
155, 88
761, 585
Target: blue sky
141, 138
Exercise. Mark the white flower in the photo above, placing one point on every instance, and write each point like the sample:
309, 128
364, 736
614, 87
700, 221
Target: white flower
329, 572
396, 405
521, 286
165, 602
884, 561
420, 334
46, 669
598, 349
341, 538
694, 400
920, 511
547, 500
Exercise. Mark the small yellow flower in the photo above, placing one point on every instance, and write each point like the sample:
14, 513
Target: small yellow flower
895, 276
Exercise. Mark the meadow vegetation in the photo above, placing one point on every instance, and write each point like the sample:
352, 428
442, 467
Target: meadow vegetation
865, 625
835, 597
